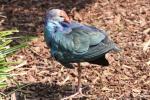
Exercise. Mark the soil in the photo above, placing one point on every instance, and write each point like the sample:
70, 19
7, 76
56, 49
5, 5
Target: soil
127, 77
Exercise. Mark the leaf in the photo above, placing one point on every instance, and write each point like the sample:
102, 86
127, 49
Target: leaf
5, 49
3, 78
129, 67
106, 89
146, 31
124, 77
1, 58
12, 49
5, 33
8, 63
2, 46
146, 46
76, 15
107, 72
5, 69
136, 90
148, 63
3, 84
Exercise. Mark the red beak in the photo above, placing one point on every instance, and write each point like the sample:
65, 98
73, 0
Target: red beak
66, 18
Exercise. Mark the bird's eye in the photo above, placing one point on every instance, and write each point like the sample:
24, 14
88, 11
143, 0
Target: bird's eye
61, 16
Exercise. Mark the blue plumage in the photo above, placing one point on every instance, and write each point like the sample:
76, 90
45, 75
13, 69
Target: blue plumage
72, 42
75, 42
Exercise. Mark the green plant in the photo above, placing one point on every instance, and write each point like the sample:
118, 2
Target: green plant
5, 50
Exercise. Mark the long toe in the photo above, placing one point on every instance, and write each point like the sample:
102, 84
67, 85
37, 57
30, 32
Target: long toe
73, 96
78, 94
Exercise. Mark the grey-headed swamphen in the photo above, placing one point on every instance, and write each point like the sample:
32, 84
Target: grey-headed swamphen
72, 42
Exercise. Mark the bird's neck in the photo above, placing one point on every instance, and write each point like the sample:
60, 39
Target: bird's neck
53, 25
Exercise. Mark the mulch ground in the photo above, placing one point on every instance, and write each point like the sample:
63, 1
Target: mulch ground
127, 77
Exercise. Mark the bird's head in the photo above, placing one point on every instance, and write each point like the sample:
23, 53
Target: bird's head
57, 15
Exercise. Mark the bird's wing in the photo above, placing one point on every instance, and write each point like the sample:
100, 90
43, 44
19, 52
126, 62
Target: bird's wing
77, 43
79, 39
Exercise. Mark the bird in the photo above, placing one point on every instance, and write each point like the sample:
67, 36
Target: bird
72, 42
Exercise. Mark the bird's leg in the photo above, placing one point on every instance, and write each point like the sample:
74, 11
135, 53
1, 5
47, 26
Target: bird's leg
79, 78
79, 92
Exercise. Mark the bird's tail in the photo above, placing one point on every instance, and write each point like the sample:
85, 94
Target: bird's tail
116, 48
100, 61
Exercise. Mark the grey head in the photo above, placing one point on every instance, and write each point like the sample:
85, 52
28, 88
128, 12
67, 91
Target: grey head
57, 15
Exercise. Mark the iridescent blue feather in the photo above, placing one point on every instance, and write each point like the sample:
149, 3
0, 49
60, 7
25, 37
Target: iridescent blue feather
75, 42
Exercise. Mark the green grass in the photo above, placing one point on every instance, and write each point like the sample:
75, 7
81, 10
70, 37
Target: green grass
5, 50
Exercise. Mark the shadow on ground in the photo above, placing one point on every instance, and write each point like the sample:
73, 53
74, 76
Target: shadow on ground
40, 91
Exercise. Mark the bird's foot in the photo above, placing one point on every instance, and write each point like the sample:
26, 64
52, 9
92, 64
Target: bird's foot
78, 94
